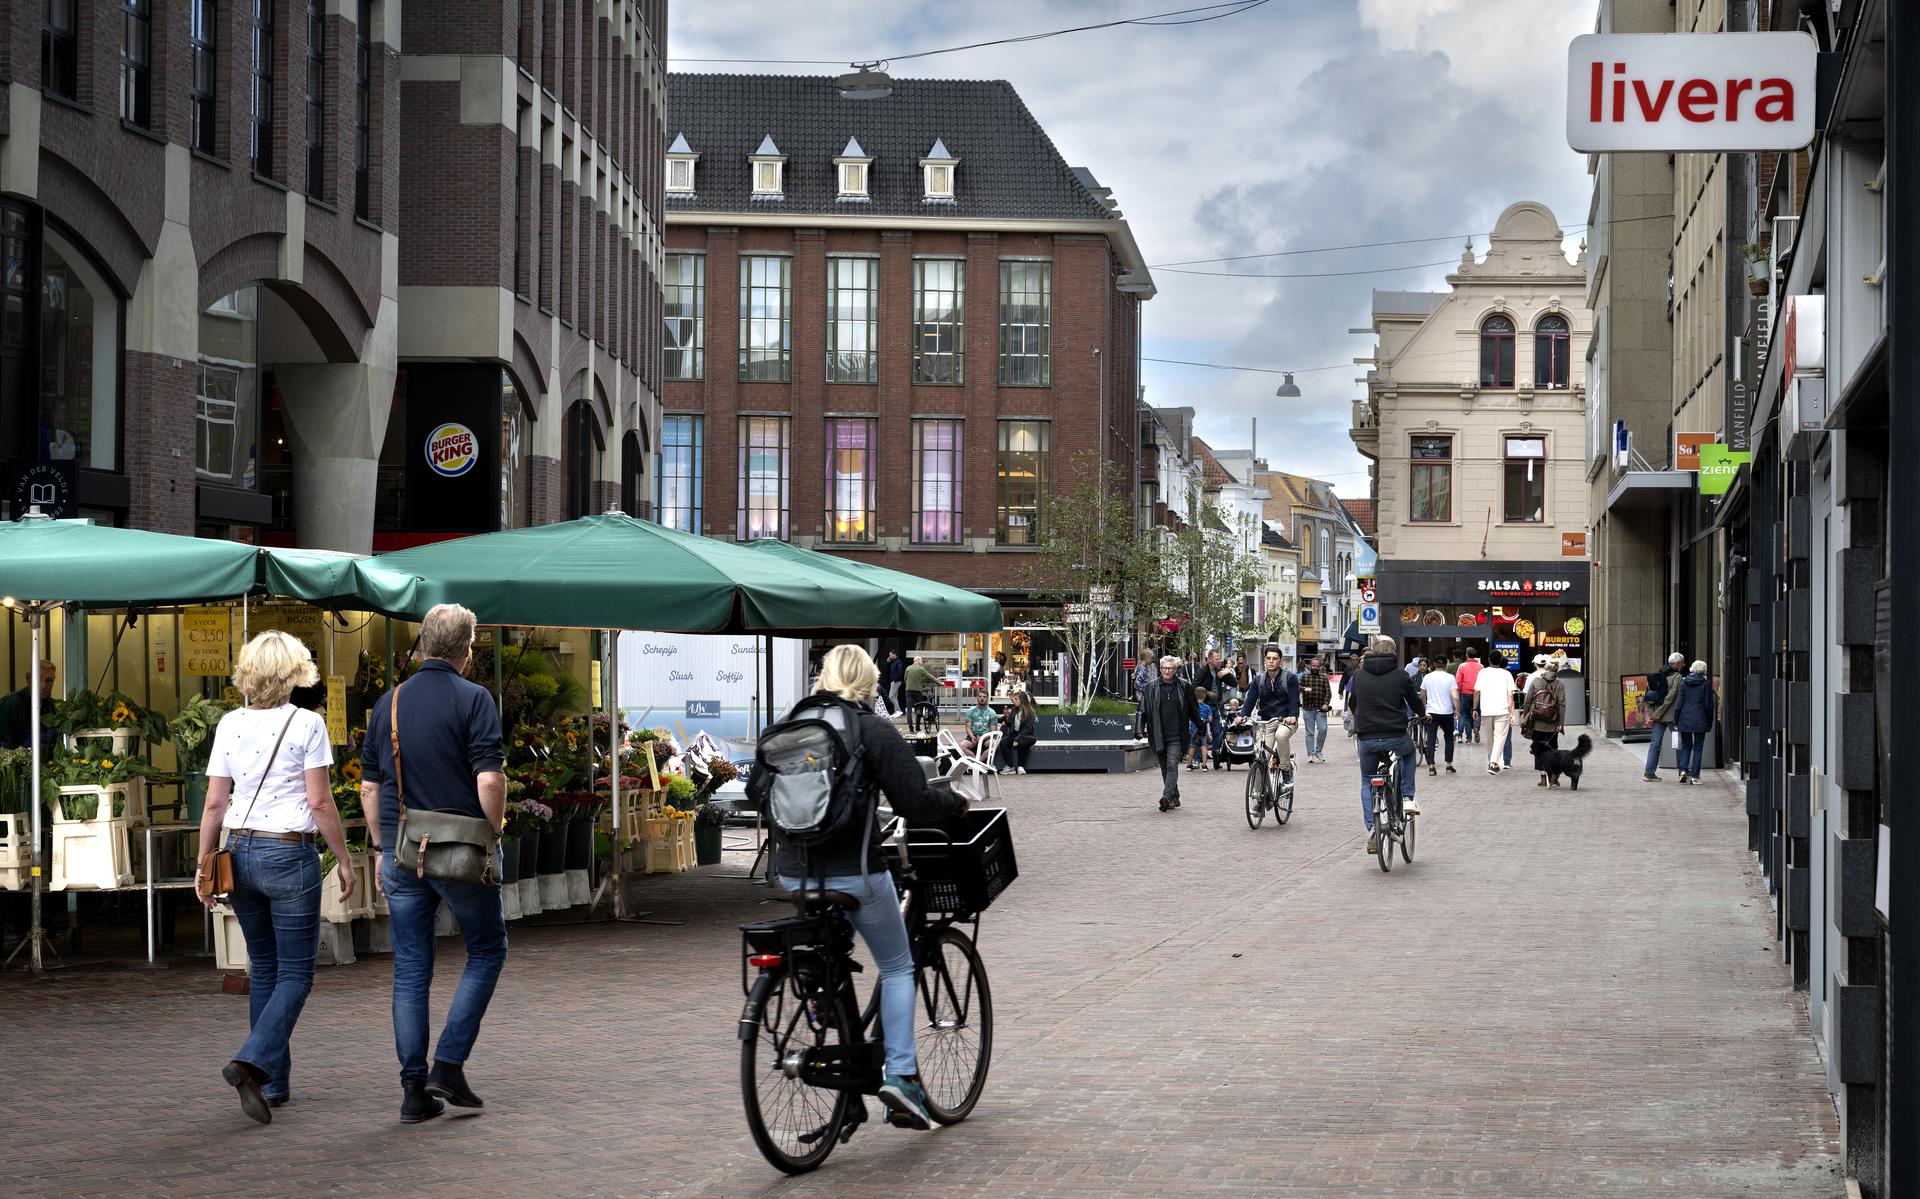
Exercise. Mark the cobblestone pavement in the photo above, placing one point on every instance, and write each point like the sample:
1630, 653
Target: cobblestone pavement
1565, 994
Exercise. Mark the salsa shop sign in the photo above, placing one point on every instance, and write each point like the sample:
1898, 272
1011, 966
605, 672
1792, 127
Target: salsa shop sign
1527, 588
1681, 92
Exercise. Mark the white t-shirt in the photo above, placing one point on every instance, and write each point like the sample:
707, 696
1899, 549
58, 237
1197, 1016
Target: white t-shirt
1438, 690
1493, 691
240, 747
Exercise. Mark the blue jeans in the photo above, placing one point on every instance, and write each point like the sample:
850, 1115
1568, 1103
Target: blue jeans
1653, 750
1373, 757
1467, 723
880, 925
276, 899
1693, 749
413, 902
1316, 724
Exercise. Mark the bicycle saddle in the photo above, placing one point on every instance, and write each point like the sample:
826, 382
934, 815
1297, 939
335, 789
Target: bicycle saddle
823, 899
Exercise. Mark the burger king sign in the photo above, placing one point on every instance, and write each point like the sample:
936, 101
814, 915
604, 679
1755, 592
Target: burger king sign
452, 450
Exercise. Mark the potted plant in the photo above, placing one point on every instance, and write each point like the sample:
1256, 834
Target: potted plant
88, 715
16, 772
192, 732
97, 800
1759, 268
707, 823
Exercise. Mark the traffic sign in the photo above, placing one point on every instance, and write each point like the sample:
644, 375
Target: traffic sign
1366, 593
1370, 618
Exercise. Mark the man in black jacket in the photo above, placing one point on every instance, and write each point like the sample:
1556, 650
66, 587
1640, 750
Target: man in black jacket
1383, 700
1167, 709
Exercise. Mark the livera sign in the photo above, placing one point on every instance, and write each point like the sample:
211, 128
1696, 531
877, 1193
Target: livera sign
1681, 92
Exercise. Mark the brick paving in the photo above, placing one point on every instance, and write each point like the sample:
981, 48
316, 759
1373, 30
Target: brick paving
1563, 995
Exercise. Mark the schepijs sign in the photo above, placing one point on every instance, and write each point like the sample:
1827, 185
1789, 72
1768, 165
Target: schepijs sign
1686, 92
1718, 466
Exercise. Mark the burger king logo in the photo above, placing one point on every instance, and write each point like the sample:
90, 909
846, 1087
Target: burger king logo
452, 450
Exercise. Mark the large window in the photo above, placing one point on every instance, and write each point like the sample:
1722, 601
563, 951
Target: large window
678, 479
136, 61
763, 478
1026, 323
1496, 352
227, 407
939, 320
362, 107
1022, 482
1552, 349
936, 482
316, 98
59, 48
1526, 479
766, 319
1430, 496
853, 316
260, 99
79, 358
850, 478
584, 443
201, 89
685, 291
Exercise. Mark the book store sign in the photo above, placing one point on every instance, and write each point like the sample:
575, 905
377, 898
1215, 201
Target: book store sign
1683, 92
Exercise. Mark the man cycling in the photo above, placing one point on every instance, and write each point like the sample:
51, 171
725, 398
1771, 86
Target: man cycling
1384, 699
1273, 704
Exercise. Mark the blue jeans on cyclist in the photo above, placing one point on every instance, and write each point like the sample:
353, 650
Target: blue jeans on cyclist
881, 926
1373, 757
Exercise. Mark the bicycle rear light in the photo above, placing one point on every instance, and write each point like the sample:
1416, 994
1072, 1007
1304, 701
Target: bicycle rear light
764, 961
1377, 782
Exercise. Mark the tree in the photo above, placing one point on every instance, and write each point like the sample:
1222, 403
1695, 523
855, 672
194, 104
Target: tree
1279, 627
1202, 576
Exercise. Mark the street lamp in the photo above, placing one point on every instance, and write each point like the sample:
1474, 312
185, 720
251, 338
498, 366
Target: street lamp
1288, 390
865, 82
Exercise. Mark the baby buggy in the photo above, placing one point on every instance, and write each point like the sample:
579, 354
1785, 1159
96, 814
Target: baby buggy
1235, 745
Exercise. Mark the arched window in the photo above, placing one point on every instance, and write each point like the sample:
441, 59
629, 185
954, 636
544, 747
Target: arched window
1496, 352
633, 478
583, 459
1552, 347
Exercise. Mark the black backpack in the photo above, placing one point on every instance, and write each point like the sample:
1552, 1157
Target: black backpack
809, 775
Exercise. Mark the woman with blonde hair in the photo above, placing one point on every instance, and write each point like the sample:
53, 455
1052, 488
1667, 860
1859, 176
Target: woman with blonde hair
269, 788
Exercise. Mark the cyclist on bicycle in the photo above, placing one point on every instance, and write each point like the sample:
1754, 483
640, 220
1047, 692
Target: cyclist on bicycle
891, 767
1273, 704
1384, 699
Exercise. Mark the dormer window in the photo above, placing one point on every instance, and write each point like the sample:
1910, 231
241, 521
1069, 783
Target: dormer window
936, 171
768, 166
680, 160
851, 168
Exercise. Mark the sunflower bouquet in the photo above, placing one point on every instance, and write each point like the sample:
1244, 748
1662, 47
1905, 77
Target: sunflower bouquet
85, 710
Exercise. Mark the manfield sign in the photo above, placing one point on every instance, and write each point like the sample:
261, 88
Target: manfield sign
1682, 92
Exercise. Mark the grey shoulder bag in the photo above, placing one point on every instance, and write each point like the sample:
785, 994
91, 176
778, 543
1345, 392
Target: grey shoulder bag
442, 845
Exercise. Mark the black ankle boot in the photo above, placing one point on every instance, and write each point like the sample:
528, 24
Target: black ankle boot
449, 1082
415, 1104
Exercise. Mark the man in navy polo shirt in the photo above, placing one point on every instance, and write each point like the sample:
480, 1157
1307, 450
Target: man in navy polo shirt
450, 761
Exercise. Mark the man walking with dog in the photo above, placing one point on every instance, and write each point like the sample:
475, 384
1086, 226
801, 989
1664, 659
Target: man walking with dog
1544, 711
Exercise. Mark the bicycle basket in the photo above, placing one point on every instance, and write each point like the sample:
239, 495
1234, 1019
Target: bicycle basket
964, 864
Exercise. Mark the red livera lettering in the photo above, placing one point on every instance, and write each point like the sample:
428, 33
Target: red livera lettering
1619, 93
1593, 96
1775, 102
1698, 100
1651, 111
1734, 88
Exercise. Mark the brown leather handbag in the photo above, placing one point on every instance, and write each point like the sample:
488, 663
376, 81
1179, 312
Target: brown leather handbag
214, 879
442, 845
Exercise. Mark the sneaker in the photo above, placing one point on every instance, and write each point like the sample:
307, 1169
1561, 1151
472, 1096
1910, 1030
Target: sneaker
1450, 769
1649, 778
1433, 770
1373, 842
906, 1102
1410, 806
1020, 770
1493, 768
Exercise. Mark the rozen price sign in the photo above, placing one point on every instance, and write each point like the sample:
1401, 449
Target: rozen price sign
206, 637
1683, 92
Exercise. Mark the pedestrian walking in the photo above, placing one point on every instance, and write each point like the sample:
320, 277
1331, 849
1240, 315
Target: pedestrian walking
1203, 732
1346, 691
1464, 678
1143, 675
1662, 692
1543, 710
1417, 669
270, 789
1316, 701
919, 688
1441, 693
1019, 731
1385, 698
1493, 692
896, 680
1693, 715
433, 745
1167, 707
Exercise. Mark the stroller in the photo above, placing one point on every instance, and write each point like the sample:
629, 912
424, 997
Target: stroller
1235, 745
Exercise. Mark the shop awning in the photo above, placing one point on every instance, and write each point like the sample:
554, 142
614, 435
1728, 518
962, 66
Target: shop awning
328, 578
921, 605
70, 561
1649, 489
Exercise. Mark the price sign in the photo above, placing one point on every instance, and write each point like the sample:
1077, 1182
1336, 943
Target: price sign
206, 642
337, 709
301, 621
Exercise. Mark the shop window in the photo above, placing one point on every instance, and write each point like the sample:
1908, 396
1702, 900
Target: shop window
850, 479
583, 458
201, 87
1496, 352
766, 319
763, 478
79, 359
677, 478
16, 277
1526, 479
260, 97
227, 405
1552, 351
1430, 495
515, 502
685, 292
939, 320
1021, 482
853, 317
136, 61
936, 482
316, 98
60, 48
1026, 323
633, 477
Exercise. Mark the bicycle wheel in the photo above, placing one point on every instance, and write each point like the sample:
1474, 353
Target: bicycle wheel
955, 1038
794, 1125
1256, 792
1406, 839
1283, 801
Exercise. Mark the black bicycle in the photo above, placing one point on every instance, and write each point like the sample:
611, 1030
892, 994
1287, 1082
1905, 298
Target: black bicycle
809, 1052
1391, 821
1262, 795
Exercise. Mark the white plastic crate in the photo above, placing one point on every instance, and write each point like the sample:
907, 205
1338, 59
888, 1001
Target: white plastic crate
16, 851
333, 909
131, 795
93, 855
229, 942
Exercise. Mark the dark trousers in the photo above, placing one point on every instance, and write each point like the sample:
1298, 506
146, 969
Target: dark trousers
1014, 752
1469, 727
1170, 755
914, 700
1436, 725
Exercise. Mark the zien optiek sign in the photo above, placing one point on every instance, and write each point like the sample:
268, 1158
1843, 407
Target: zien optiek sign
1682, 92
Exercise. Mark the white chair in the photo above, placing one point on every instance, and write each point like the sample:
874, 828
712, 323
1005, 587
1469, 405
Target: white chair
979, 763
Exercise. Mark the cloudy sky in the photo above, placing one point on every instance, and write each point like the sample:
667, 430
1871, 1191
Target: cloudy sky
1301, 124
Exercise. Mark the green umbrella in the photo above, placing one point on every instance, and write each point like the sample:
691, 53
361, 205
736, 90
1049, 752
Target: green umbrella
615, 572
60, 561
329, 578
922, 605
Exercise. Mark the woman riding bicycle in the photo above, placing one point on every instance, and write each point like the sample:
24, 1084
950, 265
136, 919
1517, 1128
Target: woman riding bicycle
855, 866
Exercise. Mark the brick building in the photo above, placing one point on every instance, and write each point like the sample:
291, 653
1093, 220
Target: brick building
257, 259
893, 324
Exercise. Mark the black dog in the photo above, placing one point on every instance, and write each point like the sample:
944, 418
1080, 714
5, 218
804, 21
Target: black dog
1555, 762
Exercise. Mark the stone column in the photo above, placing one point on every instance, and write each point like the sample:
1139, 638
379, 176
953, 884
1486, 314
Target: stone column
336, 415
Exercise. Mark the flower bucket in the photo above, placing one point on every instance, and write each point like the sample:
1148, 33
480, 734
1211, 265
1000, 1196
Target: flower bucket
510, 901
553, 892
553, 849
706, 844
196, 793
530, 855
579, 844
529, 888
123, 739
509, 862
